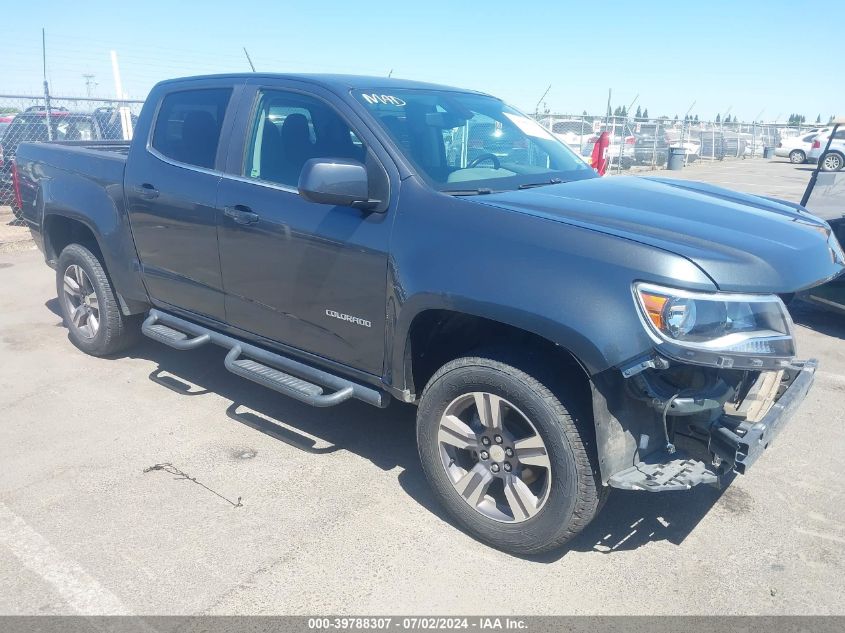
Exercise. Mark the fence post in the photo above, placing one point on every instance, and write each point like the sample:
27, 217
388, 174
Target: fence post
621, 146
754, 139
654, 144
581, 138
47, 116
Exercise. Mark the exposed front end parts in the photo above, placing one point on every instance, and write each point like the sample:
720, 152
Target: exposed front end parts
714, 421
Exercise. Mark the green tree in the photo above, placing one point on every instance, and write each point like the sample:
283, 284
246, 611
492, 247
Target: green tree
645, 113
718, 118
696, 118
819, 119
639, 113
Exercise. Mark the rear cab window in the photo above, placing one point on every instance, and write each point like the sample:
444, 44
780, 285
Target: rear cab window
188, 124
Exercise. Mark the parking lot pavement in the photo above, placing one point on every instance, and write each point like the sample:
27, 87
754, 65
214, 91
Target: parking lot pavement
335, 515
777, 177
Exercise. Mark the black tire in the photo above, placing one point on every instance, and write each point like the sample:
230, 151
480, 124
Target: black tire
575, 494
797, 157
832, 161
115, 330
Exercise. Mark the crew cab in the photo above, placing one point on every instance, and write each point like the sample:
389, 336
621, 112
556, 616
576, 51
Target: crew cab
378, 239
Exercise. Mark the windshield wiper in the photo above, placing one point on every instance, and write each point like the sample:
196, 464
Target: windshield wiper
467, 192
531, 185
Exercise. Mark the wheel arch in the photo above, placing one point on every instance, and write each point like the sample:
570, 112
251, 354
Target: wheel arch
62, 229
437, 335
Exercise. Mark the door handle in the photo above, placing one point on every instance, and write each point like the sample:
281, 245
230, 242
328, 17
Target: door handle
241, 214
146, 191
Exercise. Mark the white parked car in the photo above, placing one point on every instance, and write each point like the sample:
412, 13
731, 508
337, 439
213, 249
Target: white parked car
797, 148
575, 134
689, 140
834, 158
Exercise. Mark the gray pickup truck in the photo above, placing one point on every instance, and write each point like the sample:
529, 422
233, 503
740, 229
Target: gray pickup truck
377, 239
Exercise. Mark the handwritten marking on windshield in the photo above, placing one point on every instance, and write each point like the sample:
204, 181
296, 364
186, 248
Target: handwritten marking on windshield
374, 99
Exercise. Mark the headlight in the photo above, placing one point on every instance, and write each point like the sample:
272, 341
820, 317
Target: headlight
720, 328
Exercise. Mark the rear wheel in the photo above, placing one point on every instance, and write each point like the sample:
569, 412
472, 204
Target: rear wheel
505, 455
797, 156
832, 161
89, 305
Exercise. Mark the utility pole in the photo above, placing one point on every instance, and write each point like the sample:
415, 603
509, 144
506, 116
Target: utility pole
47, 118
90, 84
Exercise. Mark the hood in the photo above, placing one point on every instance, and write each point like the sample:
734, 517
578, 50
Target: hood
744, 243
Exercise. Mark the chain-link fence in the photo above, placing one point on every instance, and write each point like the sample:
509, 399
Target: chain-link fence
647, 142
25, 119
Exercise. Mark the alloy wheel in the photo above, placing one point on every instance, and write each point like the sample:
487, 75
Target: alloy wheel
494, 457
83, 308
832, 162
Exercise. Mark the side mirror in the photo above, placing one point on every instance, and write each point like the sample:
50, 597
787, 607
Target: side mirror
335, 181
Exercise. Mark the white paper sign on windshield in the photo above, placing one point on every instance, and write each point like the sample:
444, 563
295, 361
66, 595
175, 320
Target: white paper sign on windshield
529, 126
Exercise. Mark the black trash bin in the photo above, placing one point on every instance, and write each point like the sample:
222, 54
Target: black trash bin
676, 158
768, 152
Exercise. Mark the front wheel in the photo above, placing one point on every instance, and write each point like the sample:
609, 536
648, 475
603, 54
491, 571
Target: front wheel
505, 454
89, 304
796, 157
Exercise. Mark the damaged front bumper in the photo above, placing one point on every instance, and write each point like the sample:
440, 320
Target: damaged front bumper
709, 435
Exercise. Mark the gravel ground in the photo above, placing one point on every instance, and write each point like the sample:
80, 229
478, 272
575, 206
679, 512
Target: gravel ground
335, 515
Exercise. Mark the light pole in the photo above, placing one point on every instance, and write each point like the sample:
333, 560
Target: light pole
90, 84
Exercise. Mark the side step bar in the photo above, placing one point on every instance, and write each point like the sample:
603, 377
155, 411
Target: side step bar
304, 382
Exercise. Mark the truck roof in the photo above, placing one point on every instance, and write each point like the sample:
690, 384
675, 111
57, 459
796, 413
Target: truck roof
331, 81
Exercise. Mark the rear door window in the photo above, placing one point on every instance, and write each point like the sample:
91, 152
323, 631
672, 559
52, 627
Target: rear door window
188, 125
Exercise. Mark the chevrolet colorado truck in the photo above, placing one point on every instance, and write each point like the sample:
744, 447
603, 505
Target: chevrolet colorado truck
376, 239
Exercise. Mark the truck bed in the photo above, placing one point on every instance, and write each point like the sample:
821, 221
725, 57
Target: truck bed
101, 160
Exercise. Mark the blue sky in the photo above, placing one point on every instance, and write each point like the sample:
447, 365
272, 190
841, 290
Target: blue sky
751, 55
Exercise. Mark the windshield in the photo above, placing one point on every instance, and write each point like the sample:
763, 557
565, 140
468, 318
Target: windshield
464, 142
